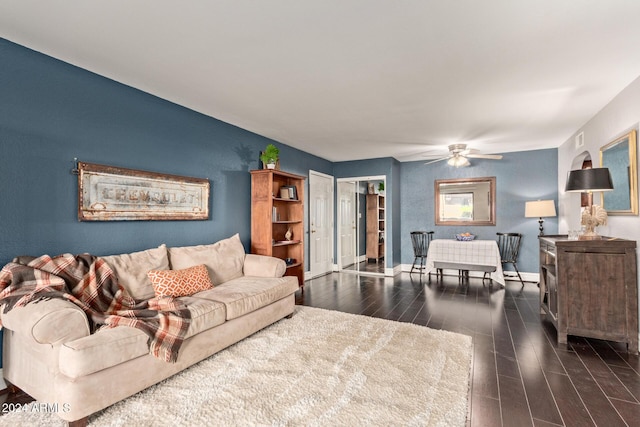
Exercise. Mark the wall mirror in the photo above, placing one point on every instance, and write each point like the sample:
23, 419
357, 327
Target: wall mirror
620, 157
465, 201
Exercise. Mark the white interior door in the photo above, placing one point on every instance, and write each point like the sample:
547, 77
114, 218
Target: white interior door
347, 224
320, 223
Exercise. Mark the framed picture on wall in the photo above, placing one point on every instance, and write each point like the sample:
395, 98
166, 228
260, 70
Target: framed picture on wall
108, 193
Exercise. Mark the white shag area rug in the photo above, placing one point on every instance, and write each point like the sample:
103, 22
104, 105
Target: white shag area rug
319, 368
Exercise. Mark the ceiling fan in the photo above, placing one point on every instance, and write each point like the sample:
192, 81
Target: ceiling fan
459, 155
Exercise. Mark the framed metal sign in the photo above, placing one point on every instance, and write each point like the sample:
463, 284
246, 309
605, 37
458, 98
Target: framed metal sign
108, 193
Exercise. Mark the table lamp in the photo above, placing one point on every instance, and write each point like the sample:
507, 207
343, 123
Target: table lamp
540, 209
588, 181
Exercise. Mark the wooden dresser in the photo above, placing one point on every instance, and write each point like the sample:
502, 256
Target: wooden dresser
589, 288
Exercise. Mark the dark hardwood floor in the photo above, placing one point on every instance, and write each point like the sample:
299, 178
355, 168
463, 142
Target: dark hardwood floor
520, 375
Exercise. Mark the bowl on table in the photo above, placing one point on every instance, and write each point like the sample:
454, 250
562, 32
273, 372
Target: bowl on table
465, 237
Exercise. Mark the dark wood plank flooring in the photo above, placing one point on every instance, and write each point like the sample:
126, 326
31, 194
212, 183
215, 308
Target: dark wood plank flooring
520, 375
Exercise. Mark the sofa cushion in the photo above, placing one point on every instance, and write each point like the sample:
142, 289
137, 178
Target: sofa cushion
101, 350
205, 314
247, 293
223, 259
132, 269
112, 346
47, 321
264, 266
180, 283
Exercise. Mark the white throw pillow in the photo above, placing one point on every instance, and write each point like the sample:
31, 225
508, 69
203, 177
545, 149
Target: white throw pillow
132, 270
224, 259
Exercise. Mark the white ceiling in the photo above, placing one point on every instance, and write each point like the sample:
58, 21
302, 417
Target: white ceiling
357, 79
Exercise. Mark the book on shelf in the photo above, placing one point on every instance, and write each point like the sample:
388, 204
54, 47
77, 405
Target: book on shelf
288, 192
275, 215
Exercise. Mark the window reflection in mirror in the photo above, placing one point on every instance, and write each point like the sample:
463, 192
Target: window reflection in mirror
466, 201
456, 206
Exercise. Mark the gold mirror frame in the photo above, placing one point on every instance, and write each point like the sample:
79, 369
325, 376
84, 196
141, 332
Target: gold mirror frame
464, 184
619, 156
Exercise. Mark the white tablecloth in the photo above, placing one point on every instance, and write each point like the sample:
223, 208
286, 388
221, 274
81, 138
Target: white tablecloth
478, 252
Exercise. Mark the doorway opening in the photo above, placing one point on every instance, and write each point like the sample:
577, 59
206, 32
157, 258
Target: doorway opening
361, 225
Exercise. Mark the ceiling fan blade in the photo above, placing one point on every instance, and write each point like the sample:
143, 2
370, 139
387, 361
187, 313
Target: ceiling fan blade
438, 160
485, 156
431, 155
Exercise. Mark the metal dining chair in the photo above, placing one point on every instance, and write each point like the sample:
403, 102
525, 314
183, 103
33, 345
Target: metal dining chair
509, 245
420, 241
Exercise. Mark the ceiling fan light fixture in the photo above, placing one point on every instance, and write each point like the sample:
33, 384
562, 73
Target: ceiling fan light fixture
458, 161
459, 154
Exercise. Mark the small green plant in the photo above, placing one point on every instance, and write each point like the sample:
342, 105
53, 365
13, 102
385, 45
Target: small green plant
381, 186
270, 154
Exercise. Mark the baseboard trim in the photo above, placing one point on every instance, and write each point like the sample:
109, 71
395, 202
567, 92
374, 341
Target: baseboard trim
390, 272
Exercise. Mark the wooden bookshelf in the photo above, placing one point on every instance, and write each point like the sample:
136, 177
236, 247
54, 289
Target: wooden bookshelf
375, 227
272, 215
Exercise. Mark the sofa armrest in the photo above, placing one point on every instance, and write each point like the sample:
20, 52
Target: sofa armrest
263, 266
52, 321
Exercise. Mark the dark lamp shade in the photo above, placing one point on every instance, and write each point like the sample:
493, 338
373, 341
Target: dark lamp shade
583, 180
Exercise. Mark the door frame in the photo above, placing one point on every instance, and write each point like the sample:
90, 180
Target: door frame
338, 264
330, 221
382, 178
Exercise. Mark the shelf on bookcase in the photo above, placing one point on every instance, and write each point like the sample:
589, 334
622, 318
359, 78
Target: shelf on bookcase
285, 242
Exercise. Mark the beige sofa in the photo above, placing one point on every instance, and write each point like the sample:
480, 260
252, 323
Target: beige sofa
50, 354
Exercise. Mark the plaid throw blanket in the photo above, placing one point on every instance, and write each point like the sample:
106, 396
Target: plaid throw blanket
89, 282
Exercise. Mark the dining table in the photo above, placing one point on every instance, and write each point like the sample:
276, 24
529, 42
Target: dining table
472, 252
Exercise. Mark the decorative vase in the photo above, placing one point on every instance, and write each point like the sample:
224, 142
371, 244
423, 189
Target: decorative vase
289, 234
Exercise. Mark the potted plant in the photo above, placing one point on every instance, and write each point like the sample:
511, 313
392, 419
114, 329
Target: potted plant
381, 188
269, 156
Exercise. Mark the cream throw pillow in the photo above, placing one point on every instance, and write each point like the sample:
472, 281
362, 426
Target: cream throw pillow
224, 259
180, 283
132, 269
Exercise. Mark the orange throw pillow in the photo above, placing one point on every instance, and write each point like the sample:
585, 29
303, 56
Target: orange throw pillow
180, 283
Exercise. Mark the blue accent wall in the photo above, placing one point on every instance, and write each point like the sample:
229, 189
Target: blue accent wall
395, 201
520, 177
51, 112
